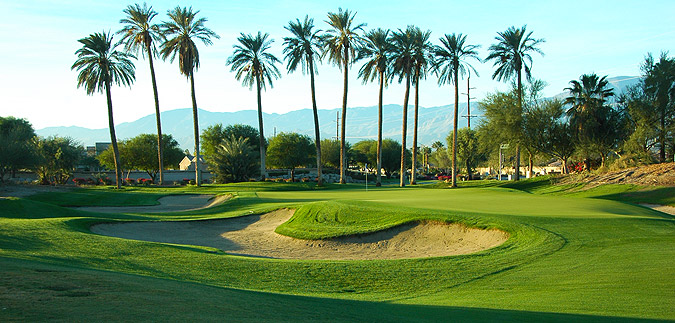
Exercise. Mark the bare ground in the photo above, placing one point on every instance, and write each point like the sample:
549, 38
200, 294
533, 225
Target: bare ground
656, 175
254, 236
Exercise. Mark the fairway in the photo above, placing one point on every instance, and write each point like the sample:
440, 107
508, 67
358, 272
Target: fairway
567, 257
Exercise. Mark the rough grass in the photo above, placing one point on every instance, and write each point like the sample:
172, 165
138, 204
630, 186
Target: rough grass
569, 258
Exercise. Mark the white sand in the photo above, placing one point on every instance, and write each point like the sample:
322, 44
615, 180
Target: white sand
171, 203
254, 236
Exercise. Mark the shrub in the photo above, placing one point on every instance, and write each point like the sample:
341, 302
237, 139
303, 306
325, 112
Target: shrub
80, 181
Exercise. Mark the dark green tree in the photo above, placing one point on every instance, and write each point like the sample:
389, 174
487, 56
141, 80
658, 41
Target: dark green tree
213, 136
468, 149
511, 55
254, 65
181, 32
100, 65
659, 86
234, 160
549, 130
290, 150
57, 158
17, 145
134, 153
341, 43
140, 34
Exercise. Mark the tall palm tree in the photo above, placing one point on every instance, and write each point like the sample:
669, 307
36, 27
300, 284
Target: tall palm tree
422, 59
511, 54
377, 49
181, 32
340, 44
449, 64
252, 62
586, 98
302, 49
99, 65
140, 34
403, 61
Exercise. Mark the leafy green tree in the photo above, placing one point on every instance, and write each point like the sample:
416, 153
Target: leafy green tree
511, 55
140, 34
365, 152
549, 131
253, 64
642, 138
100, 65
213, 136
468, 149
421, 54
449, 64
17, 149
234, 160
341, 43
57, 158
659, 86
502, 124
181, 32
330, 152
441, 159
302, 49
290, 150
377, 49
596, 124
134, 154
403, 61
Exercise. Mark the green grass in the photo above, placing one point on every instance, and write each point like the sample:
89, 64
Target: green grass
569, 258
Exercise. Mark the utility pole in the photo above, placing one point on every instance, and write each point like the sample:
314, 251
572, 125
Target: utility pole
468, 115
337, 125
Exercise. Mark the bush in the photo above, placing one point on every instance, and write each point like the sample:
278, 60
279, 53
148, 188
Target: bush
234, 161
80, 181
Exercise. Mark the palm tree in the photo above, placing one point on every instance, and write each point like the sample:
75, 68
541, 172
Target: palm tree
139, 34
99, 65
340, 44
302, 49
377, 49
511, 54
252, 62
449, 64
181, 31
586, 99
403, 61
422, 59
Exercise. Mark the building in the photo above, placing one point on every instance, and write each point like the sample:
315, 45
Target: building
188, 163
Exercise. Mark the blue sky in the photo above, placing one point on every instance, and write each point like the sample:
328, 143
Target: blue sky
38, 40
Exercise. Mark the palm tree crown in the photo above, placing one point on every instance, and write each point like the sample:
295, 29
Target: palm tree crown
377, 49
139, 33
303, 46
452, 56
421, 50
251, 60
182, 30
512, 51
403, 52
591, 90
342, 40
99, 62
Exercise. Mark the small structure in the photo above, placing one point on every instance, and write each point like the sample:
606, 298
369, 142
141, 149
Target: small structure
188, 163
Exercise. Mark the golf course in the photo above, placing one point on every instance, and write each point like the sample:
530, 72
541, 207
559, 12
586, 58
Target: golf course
551, 253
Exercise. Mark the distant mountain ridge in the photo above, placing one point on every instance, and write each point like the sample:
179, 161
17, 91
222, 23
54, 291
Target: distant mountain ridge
435, 123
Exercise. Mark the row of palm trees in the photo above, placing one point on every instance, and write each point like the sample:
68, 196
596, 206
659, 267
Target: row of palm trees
405, 54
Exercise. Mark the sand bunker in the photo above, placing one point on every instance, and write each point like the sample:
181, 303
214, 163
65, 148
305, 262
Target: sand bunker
254, 236
171, 203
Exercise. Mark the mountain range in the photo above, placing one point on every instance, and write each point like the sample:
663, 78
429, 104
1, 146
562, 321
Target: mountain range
435, 123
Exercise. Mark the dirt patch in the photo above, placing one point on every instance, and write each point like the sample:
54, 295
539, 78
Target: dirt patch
656, 174
171, 203
254, 236
14, 190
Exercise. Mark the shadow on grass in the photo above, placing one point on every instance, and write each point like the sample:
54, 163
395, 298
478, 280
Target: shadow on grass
156, 299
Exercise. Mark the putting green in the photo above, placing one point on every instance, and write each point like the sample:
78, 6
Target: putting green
596, 258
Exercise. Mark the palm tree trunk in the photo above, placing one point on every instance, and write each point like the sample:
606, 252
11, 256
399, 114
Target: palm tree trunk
378, 182
316, 125
343, 153
160, 148
454, 130
662, 138
195, 120
520, 113
404, 129
413, 171
263, 169
113, 137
